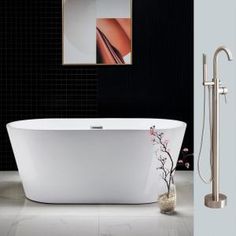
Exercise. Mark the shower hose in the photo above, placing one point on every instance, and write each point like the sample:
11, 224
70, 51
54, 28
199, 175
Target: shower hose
205, 180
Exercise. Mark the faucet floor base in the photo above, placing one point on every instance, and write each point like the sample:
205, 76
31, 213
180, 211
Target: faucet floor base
221, 203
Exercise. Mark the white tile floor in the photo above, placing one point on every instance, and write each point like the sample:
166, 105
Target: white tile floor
21, 217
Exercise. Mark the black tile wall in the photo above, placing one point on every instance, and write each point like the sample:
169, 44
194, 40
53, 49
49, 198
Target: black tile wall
159, 84
34, 84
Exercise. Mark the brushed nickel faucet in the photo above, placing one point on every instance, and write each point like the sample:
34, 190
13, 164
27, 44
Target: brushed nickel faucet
215, 199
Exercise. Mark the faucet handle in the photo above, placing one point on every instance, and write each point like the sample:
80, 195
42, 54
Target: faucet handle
224, 91
225, 98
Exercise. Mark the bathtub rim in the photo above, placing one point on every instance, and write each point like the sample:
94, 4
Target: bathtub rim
13, 124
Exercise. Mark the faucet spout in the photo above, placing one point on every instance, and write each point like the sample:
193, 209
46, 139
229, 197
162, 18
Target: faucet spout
215, 59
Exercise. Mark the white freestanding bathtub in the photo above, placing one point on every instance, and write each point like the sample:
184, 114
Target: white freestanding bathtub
91, 160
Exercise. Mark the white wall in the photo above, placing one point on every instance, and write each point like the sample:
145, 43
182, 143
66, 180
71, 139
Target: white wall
215, 24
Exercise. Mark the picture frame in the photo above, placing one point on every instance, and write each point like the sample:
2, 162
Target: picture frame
97, 32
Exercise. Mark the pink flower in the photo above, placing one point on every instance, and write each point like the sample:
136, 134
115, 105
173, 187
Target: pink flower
187, 165
151, 131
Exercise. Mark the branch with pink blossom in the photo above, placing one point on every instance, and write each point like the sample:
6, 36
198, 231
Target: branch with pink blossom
163, 156
186, 159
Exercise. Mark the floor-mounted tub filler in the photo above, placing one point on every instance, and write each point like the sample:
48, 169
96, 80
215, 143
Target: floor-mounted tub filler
91, 160
215, 89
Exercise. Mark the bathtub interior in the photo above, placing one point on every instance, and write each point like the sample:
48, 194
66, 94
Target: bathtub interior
102, 124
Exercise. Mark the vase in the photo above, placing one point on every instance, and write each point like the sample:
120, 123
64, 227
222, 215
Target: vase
167, 202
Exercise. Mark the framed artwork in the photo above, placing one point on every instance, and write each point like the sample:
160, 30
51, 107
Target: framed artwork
97, 32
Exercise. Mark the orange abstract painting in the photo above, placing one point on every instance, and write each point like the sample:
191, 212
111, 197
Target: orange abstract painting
113, 40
